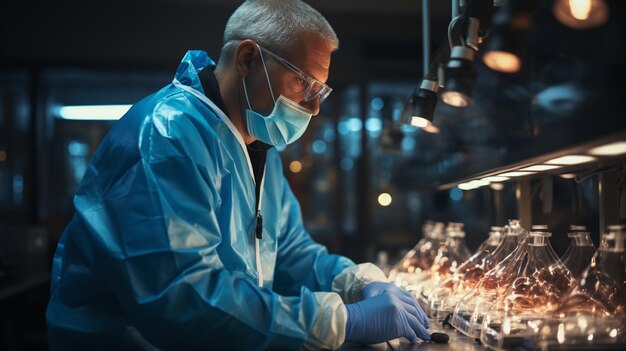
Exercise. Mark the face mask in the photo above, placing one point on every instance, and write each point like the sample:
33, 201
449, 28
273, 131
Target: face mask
286, 123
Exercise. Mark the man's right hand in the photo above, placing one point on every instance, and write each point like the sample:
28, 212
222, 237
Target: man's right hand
384, 317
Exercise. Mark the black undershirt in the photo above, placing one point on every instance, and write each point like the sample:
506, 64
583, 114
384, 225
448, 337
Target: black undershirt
257, 149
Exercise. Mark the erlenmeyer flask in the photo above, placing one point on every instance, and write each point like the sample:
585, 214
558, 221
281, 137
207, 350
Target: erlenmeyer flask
581, 249
592, 313
534, 295
449, 257
415, 265
445, 296
469, 311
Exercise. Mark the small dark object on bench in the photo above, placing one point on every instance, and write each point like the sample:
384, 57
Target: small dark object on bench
439, 338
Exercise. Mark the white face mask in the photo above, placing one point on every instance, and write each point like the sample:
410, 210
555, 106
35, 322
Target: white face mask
285, 124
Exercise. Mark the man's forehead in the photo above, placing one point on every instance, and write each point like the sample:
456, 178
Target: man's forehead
312, 54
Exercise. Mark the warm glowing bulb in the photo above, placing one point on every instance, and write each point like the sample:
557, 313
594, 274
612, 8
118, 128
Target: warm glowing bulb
581, 14
502, 61
580, 9
384, 199
568, 176
454, 98
430, 128
295, 166
423, 123
497, 186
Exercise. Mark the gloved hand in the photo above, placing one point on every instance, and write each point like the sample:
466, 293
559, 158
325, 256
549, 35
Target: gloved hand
377, 288
384, 317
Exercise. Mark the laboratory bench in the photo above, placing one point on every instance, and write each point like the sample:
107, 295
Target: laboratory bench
461, 342
457, 342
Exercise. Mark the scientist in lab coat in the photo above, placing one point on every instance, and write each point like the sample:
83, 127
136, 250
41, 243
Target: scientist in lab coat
187, 234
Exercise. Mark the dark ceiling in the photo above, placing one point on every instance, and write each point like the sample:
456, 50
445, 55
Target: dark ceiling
378, 38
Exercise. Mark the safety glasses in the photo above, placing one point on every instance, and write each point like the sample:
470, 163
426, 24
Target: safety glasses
312, 87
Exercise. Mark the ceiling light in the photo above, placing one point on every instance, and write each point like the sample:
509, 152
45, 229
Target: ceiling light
616, 148
567, 175
496, 179
420, 108
459, 75
92, 112
540, 168
571, 160
581, 14
516, 174
504, 47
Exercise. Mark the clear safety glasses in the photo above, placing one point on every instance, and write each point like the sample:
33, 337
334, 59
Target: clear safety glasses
303, 82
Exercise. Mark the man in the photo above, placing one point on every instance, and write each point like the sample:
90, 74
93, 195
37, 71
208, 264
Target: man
186, 233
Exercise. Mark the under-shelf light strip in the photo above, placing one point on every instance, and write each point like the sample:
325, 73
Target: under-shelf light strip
611, 149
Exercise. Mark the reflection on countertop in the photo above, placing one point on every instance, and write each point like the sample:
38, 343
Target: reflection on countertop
458, 342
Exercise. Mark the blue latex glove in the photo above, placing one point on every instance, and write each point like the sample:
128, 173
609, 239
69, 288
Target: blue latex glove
375, 289
382, 318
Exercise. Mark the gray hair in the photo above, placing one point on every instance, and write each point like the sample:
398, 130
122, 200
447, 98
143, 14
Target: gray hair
274, 24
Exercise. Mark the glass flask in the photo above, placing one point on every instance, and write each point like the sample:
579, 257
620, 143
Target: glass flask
581, 249
534, 295
445, 296
469, 311
415, 265
449, 257
592, 313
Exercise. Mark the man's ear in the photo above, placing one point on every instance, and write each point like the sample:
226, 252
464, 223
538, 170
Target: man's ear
245, 55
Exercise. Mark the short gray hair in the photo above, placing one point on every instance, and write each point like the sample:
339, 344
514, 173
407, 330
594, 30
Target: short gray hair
274, 24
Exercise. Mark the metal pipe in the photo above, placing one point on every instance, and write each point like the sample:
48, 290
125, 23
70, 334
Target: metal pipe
455, 8
425, 37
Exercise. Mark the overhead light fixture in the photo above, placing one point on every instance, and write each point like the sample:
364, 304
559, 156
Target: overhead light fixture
92, 112
568, 176
504, 47
539, 168
420, 108
571, 160
581, 14
467, 186
516, 174
459, 75
496, 179
612, 149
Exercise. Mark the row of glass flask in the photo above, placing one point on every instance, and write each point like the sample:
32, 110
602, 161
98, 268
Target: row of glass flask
515, 291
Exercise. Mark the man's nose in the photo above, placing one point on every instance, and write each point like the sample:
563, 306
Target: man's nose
312, 105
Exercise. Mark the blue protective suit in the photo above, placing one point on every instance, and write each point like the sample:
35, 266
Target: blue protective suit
162, 251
